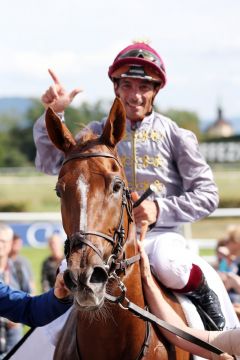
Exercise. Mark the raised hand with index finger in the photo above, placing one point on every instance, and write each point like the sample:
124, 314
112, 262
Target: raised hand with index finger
56, 96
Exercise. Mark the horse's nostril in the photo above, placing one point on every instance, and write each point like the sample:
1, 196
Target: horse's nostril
69, 280
99, 275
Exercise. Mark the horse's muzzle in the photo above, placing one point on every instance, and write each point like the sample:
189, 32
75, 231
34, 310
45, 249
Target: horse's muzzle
88, 289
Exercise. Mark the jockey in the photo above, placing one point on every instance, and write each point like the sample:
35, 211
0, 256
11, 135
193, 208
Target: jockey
154, 150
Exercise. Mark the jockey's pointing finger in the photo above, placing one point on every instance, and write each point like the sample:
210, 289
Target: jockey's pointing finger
54, 77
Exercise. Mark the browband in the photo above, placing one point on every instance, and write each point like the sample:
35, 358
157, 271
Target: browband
88, 155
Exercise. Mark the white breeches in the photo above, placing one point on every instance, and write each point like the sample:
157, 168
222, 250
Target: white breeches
170, 260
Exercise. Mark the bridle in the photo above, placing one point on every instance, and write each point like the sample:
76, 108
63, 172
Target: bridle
79, 238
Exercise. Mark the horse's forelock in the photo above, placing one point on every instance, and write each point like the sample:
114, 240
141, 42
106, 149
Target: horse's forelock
85, 138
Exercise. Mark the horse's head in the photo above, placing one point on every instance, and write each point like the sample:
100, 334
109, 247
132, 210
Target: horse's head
95, 204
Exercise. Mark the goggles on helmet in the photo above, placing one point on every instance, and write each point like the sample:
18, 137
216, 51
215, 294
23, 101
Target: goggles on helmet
144, 54
136, 71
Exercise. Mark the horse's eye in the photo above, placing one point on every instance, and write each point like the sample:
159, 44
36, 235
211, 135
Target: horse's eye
58, 192
117, 186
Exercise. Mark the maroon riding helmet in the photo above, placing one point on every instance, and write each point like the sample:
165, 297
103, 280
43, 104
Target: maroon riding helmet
139, 60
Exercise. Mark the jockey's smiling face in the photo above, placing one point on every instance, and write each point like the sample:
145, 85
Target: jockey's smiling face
137, 96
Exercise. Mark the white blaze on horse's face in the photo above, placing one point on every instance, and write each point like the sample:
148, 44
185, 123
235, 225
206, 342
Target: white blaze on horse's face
83, 189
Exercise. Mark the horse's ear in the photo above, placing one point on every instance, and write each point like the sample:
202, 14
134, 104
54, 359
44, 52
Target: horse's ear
58, 132
115, 126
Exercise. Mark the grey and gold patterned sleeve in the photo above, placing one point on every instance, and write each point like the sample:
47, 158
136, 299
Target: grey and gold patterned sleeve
198, 194
48, 158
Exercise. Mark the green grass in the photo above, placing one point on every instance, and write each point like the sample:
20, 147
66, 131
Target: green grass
35, 192
228, 185
206, 252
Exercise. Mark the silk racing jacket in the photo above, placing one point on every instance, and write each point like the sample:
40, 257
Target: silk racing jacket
154, 150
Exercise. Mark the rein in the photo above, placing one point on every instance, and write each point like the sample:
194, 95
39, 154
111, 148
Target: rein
113, 264
145, 315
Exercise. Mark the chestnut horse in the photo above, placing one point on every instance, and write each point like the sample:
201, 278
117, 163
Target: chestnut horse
101, 250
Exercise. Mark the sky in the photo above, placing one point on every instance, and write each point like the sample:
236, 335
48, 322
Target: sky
199, 42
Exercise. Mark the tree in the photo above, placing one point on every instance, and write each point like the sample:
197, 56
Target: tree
77, 118
16, 141
22, 133
10, 156
17, 147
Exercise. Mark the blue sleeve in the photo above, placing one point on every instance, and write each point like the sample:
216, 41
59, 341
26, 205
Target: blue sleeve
20, 307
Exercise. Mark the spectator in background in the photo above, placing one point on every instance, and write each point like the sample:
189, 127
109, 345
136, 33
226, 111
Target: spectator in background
233, 244
10, 333
229, 265
225, 260
51, 264
22, 266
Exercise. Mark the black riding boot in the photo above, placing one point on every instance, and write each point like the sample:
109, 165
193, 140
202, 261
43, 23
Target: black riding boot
205, 299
